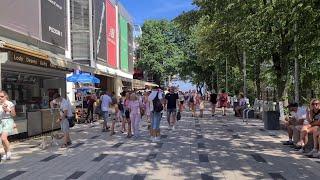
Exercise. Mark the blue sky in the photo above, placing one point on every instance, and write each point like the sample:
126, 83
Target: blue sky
142, 10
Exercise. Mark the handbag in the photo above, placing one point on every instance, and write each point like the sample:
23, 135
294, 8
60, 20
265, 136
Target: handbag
178, 116
72, 121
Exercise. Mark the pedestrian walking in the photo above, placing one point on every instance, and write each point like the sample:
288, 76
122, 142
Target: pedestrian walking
213, 101
146, 104
65, 110
171, 107
7, 112
135, 105
192, 103
156, 107
201, 105
127, 113
223, 101
90, 102
106, 101
121, 113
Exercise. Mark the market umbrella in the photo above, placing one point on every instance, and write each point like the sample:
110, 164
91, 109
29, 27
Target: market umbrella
83, 78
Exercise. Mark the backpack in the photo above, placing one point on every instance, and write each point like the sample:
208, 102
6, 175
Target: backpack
157, 105
120, 105
191, 99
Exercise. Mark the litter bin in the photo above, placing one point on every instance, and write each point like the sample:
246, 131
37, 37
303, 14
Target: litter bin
271, 120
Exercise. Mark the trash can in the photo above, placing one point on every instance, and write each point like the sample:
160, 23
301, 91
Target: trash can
271, 120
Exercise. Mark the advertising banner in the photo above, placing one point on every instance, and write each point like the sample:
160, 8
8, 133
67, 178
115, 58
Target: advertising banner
130, 47
21, 16
124, 44
100, 47
111, 35
53, 19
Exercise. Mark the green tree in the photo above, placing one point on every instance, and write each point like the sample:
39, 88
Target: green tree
160, 54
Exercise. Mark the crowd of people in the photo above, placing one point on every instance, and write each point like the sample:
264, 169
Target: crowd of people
129, 109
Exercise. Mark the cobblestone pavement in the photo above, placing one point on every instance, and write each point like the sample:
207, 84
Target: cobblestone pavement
200, 148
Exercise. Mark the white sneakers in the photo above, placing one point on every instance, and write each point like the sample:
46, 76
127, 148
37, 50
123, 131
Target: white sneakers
6, 156
155, 139
173, 128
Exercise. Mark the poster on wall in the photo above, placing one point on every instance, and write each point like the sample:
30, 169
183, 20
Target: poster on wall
123, 44
130, 48
21, 16
111, 35
99, 7
53, 19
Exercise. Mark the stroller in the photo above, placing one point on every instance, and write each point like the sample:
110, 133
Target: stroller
51, 139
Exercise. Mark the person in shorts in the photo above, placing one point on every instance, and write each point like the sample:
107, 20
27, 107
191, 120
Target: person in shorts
7, 112
105, 103
297, 117
171, 106
65, 112
213, 100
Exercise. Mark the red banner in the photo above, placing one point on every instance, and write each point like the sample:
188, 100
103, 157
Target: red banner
111, 35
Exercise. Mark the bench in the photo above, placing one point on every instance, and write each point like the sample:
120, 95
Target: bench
251, 112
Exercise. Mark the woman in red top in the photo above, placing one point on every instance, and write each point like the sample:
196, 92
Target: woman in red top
223, 100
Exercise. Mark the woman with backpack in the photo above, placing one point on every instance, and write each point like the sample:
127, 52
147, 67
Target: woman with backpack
156, 106
223, 101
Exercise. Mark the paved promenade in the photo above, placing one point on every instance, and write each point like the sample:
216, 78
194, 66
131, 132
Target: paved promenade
200, 148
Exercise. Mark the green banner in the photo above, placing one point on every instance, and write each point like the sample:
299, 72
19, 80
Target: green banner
124, 44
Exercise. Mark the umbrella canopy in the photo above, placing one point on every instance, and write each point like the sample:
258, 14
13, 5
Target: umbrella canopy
83, 78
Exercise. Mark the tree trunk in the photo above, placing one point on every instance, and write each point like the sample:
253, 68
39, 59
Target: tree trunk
280, 68
257, 78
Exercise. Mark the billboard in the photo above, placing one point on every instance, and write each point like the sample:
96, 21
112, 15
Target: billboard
21, 16
53, 20
99, 7
130, 47
111, 35
123, 43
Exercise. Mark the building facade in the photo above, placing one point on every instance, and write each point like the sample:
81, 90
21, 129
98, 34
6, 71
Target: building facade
45, 41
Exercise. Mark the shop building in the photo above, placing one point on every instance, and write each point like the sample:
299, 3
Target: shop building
100, 37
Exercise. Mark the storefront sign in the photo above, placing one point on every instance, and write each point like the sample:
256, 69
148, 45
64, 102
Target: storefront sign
26, 59
111, 35
53, 22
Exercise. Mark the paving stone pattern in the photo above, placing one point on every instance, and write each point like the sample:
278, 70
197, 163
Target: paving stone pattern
200, 148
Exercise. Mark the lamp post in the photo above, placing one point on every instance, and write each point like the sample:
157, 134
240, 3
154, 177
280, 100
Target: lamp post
226, 74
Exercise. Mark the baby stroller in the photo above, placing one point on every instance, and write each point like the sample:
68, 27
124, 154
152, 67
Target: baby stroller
51, 139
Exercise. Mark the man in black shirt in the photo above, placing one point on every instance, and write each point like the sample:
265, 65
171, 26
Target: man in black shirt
171, 107
213, 100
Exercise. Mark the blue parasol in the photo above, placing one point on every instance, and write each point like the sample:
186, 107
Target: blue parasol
83, 78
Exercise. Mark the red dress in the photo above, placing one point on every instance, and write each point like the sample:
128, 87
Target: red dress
223, 100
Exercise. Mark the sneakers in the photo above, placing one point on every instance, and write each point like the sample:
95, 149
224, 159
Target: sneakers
312, 152
301, 150
288, 143
6, 156
316, 154
173, 128
157, 139
152, 139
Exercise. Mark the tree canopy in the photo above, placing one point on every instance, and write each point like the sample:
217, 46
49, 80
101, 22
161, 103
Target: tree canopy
207, 45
